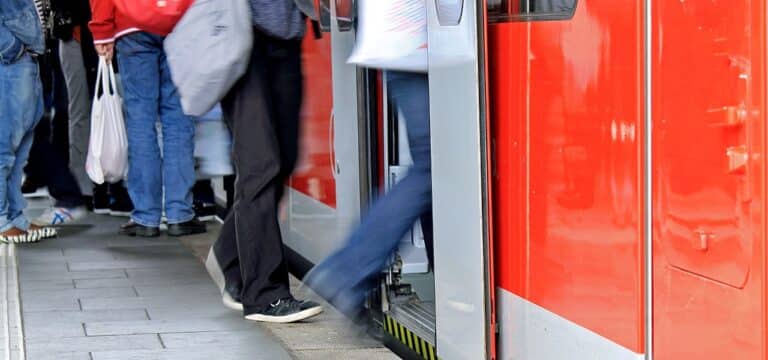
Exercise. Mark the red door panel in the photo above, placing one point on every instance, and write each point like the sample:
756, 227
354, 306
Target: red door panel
709, 89
567, 111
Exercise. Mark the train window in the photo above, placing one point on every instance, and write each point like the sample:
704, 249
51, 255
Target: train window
530, 10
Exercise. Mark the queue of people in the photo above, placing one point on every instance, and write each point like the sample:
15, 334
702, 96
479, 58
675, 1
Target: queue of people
262, 111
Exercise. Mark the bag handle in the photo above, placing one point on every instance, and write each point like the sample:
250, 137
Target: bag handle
97, 125
113, 79
105, 76
99, 77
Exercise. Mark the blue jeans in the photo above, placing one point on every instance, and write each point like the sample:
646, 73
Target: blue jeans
21, 107
150, 96
345, 277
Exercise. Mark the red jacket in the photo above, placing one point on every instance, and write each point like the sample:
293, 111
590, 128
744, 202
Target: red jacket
107, 23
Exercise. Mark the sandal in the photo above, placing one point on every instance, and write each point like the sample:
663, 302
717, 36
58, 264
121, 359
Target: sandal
17, 236
42, 232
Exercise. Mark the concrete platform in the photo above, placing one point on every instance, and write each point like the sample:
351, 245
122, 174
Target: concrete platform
93, 295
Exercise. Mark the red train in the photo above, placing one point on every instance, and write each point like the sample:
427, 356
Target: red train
598, 172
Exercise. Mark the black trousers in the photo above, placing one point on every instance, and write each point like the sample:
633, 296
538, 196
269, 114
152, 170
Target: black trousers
48, 163
262, 110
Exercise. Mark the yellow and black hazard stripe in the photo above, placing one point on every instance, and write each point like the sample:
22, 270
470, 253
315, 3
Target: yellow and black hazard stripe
409, 339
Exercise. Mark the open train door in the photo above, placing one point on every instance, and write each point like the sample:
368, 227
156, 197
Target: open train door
460, 170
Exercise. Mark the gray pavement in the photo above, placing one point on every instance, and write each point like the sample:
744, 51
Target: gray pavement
93, 295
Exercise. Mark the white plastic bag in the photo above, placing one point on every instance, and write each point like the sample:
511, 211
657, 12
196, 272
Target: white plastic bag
213, 146
392, 35
108, 148
208, 51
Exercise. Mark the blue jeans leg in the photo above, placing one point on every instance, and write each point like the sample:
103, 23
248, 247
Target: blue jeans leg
16, 201
149, 96
138, 55
178, 150
346, 276
21, 107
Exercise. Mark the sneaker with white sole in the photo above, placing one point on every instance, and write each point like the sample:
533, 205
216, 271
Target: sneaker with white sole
214, 270
287, 310
60, 216
230, 302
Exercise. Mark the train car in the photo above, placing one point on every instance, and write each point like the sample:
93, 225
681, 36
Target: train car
598, 178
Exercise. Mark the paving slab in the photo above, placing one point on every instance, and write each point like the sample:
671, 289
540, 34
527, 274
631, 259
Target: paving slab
220, 339
36, 304
85, 316
164, 301
66, 294
97, 343
131, 264
43, 355
35, 274
102, 283
168, 275
185, 290
335, 335
165, 326
178, 313
250, 353
357, 354
54, 332
56, 284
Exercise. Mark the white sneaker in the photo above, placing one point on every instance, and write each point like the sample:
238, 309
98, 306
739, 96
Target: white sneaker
60, 215
230, 302
212, 265
214, 270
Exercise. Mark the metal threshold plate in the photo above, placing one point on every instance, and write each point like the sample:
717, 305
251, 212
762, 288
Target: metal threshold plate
418, 317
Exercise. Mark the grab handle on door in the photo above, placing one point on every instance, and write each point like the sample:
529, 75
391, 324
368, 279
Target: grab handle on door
734, 116
740, 117
738, 157
449, 12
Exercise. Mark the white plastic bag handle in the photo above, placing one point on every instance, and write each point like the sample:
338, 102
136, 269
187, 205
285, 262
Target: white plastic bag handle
113, 80
96, 143
99, 78
101, 83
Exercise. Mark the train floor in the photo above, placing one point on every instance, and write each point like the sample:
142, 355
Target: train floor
93, 295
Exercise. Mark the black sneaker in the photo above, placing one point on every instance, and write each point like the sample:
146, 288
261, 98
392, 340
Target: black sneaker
30, 186
133, 229
101, 199
287, 310
121, 206
187, 228
204, 211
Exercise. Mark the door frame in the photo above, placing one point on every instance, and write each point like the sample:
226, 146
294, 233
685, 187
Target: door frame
460, 186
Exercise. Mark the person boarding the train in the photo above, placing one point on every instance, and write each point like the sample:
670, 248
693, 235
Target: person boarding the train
346, 277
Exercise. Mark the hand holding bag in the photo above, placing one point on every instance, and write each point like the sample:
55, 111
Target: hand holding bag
107, 159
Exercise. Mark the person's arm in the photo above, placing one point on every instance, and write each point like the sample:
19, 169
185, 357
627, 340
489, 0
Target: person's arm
11, 48
102, 27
